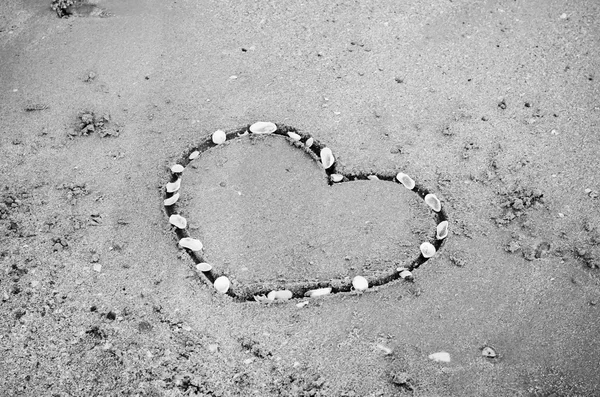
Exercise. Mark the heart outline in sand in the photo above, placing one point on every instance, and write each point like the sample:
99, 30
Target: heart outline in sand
275, 291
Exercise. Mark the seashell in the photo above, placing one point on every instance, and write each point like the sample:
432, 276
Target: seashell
406, 180
174, 186
442, 230
335, 178
327, 158
427, 249
294, 136
191, 243
222, 284
263, 127
194, 155
204, 267
360, 283
219, 137
177, 168
309, 142
406, 275
282, 295
433, 202
489, 352
373, 177
386, 350
171, 200
442, 357
313, 293
178, 221
262, 299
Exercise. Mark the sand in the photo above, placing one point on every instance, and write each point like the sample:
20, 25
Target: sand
491, 105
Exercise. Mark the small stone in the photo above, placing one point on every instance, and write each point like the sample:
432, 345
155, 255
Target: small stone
194, 155
309, 142
97, 267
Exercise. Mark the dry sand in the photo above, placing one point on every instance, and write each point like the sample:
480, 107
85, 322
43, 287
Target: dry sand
491, 104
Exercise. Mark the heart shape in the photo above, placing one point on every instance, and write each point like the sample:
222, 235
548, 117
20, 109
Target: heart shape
275, 291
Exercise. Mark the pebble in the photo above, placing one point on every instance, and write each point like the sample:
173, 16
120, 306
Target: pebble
427, 249
309, 142
222, 284
191, 243
373, 177
360, 283
194, 155
302, 304
432, 201
263, 127
178, 221
406, 180
219, 137
97, 267
327, 158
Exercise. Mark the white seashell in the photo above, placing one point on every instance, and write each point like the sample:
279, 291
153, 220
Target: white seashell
204, 267
177, 168
191, 243
282, 295
194, 155
386, 350
263, 127
313, 293
294, 136
178, 221
222, 284
262, 299
309, 142
327, 158
373, 177
406, 180
174, 186
442, 230
427, 249
432, 201
171, 200
336, 178
489, 352
406, 275
219, 137
440, 357
360, 283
